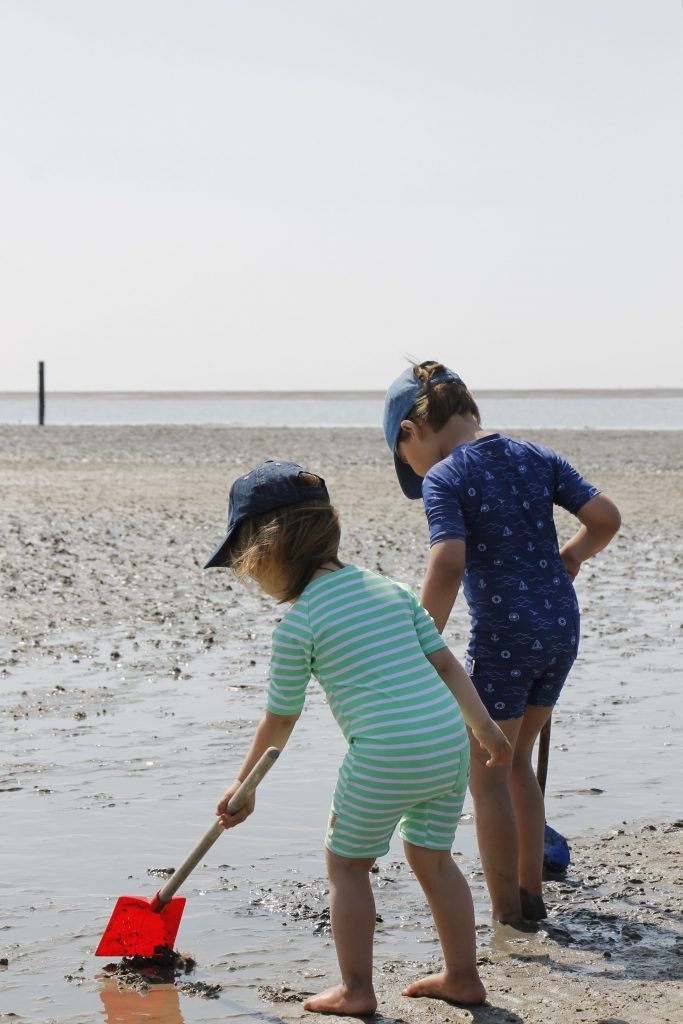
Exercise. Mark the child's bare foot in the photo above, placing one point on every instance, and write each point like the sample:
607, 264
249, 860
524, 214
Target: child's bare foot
356, 1002
533, 907
465, 990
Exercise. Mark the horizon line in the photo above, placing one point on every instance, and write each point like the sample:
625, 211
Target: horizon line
340, 393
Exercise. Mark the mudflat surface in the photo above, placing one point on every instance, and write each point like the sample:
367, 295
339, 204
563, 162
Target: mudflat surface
131, 681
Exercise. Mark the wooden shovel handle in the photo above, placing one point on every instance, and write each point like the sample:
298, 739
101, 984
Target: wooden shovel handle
261, 768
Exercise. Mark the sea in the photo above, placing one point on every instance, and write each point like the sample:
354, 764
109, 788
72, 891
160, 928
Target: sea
660, 409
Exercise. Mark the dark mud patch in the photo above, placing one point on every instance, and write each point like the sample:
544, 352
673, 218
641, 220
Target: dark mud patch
203, 989
615, 929
299, 901
161, 872
139, 973
622, 905
78, 978
282, 994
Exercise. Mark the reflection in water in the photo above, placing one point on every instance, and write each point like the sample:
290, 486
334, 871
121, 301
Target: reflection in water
160, 1005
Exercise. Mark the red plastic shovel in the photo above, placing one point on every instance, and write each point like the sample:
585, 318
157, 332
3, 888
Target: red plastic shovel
141, 927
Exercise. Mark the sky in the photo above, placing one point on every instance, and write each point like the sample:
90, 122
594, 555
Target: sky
300, 194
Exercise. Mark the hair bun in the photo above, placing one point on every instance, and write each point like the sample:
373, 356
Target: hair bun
425, 371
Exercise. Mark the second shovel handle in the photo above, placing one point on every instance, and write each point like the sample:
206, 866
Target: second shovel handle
237, 801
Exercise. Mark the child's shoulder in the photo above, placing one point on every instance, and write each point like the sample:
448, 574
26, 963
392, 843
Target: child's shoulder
520, 446
351, 585
357, 577
467, 463
370, 578
515, 447
341, 581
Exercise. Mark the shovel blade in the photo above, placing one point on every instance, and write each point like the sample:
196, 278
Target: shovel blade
135, 929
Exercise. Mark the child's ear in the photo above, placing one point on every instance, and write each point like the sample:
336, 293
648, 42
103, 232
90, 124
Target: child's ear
409, 427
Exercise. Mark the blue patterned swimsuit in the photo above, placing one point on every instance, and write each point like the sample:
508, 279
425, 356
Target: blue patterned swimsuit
497, 495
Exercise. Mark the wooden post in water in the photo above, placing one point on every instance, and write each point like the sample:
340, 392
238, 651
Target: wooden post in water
543, 755
41, 393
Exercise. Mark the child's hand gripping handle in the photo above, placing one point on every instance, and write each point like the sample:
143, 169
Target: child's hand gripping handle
260, 769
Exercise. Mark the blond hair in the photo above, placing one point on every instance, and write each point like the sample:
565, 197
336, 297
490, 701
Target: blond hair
297, 538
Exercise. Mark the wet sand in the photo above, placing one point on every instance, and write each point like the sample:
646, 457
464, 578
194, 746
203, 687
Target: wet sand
131, 681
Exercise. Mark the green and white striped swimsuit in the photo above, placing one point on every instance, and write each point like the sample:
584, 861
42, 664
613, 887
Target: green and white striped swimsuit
365, 638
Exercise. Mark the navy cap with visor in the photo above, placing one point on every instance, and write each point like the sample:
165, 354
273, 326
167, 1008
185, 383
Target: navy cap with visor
400, 399
271, 485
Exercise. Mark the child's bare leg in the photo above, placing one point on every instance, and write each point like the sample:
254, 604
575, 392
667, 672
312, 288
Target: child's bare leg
496, 824
529, 807
352, 912
450, 900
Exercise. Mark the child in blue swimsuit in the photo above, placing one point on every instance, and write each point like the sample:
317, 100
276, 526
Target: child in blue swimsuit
489, 504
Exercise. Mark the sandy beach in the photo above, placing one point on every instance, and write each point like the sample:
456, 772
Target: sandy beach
131, 680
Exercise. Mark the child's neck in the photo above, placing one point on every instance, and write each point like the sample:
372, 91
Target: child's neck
459, 430
326, 568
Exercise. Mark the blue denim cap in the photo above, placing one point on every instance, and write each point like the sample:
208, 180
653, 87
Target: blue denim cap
271, 485
400, 399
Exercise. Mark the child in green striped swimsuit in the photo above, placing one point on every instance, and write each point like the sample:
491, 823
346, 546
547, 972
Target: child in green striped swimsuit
383, 666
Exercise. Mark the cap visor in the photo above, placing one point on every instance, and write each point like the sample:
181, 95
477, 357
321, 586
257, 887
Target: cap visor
220, 555
411, 483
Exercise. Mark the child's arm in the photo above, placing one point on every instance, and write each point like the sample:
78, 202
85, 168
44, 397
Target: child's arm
485, 730
273, 731
599, 520
442, 580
